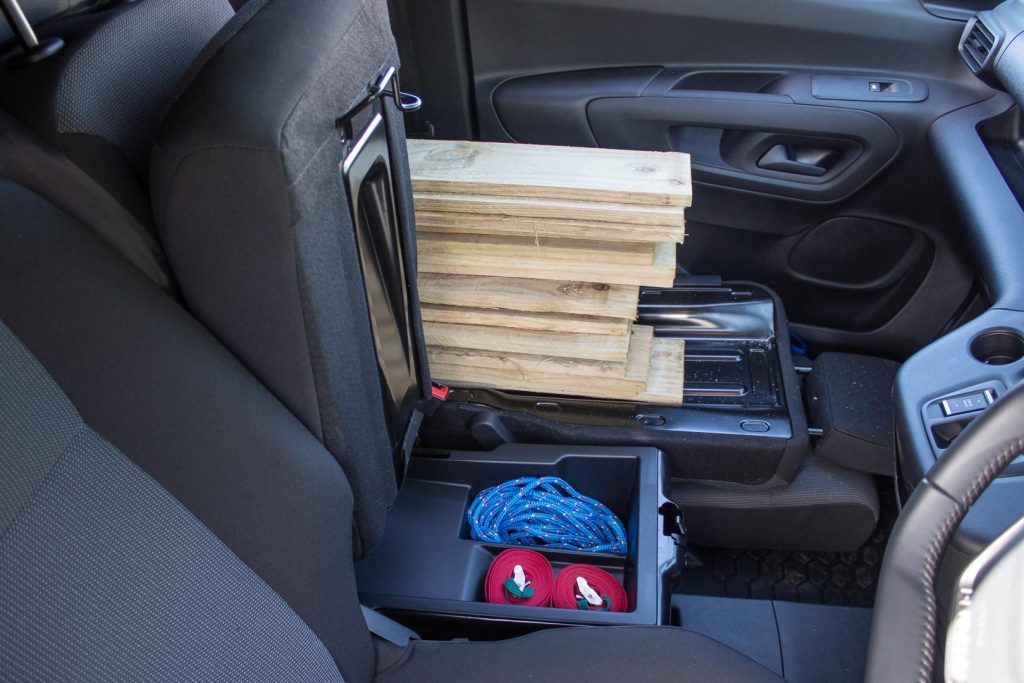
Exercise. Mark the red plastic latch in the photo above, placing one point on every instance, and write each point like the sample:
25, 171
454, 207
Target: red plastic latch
439, 392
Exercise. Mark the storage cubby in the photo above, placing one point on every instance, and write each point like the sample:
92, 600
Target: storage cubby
428, 562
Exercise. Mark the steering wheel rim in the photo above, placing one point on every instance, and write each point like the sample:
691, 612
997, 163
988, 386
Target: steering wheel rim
904, 628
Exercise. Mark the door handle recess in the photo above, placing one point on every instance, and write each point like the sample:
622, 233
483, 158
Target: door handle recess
699, 125
807, 161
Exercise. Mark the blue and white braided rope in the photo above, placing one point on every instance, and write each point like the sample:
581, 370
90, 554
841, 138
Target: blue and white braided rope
546, 512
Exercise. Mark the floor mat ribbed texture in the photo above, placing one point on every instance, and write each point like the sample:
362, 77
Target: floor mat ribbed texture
795, 576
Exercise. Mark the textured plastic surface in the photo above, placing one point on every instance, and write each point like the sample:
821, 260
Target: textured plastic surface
858, 88
787, 638
849, 398
367, 172
992, 219
825, 508
755, 123
738, 368
427, 562
731, 51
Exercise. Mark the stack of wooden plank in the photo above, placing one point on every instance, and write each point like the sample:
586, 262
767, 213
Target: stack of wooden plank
531, 260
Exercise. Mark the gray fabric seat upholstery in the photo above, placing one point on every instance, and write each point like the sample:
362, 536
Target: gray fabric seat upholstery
100, 99
250, 208
52, 175
154, 383
624, 653
164, 517
850, 398
89, 543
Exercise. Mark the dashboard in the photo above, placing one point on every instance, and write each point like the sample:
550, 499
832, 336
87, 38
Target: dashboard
943, 387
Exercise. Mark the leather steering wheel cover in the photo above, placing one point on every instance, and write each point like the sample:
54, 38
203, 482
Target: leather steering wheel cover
904, 625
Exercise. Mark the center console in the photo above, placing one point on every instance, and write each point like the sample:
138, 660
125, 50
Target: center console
740, 428
428, 568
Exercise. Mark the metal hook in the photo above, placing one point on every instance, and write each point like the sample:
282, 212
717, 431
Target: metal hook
406, 102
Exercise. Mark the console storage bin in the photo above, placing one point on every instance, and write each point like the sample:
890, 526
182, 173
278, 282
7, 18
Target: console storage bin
428, 563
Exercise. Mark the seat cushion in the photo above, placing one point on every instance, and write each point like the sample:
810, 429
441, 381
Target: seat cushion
89, 543
850, 398
825, 508
151, 381
600, 653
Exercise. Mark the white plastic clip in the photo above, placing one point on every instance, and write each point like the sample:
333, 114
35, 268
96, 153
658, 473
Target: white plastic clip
519, 577
588, 593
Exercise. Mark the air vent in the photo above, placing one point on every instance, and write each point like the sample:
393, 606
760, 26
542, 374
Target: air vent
978, 45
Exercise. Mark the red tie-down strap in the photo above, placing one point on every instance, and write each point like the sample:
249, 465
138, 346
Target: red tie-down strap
583, 587
519, 577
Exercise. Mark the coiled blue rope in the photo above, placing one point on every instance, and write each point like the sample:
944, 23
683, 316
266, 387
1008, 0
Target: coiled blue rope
545, 511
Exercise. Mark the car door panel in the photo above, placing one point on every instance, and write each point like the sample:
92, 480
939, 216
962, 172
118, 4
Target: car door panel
807, 124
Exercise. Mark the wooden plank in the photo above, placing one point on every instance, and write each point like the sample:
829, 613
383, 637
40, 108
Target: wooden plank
608, 212
638, 360
475, 224
494, 367
504, 248
447, 261
636, 368
517, 170
560, 384
538, 296
541, 322
541, 374
666, 378
555, 344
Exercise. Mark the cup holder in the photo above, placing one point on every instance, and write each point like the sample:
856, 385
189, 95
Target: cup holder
998, 347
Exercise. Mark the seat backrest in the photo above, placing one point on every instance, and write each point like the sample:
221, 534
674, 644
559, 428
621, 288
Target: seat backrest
100, 99
162, 515
25, 160
36, 12
252, 213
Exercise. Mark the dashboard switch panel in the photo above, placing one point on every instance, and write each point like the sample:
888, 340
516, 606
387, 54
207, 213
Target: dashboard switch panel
856, 88
967, 403
945, 417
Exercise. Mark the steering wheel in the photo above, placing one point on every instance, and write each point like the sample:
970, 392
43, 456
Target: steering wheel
904, 628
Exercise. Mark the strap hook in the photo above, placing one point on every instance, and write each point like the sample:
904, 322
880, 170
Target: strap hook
388, 85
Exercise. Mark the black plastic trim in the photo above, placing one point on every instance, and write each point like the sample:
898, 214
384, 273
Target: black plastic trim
427, 551
867, 142
993, 218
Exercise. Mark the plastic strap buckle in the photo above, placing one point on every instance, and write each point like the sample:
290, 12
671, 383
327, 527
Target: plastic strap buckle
517, 585
588, 598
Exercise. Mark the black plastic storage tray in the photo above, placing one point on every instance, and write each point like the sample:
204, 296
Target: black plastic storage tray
427, 562
742, 421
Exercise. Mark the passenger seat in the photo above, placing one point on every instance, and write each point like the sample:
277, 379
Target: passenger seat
164, 518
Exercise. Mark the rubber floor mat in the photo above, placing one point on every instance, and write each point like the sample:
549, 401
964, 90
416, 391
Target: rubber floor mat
795, 576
